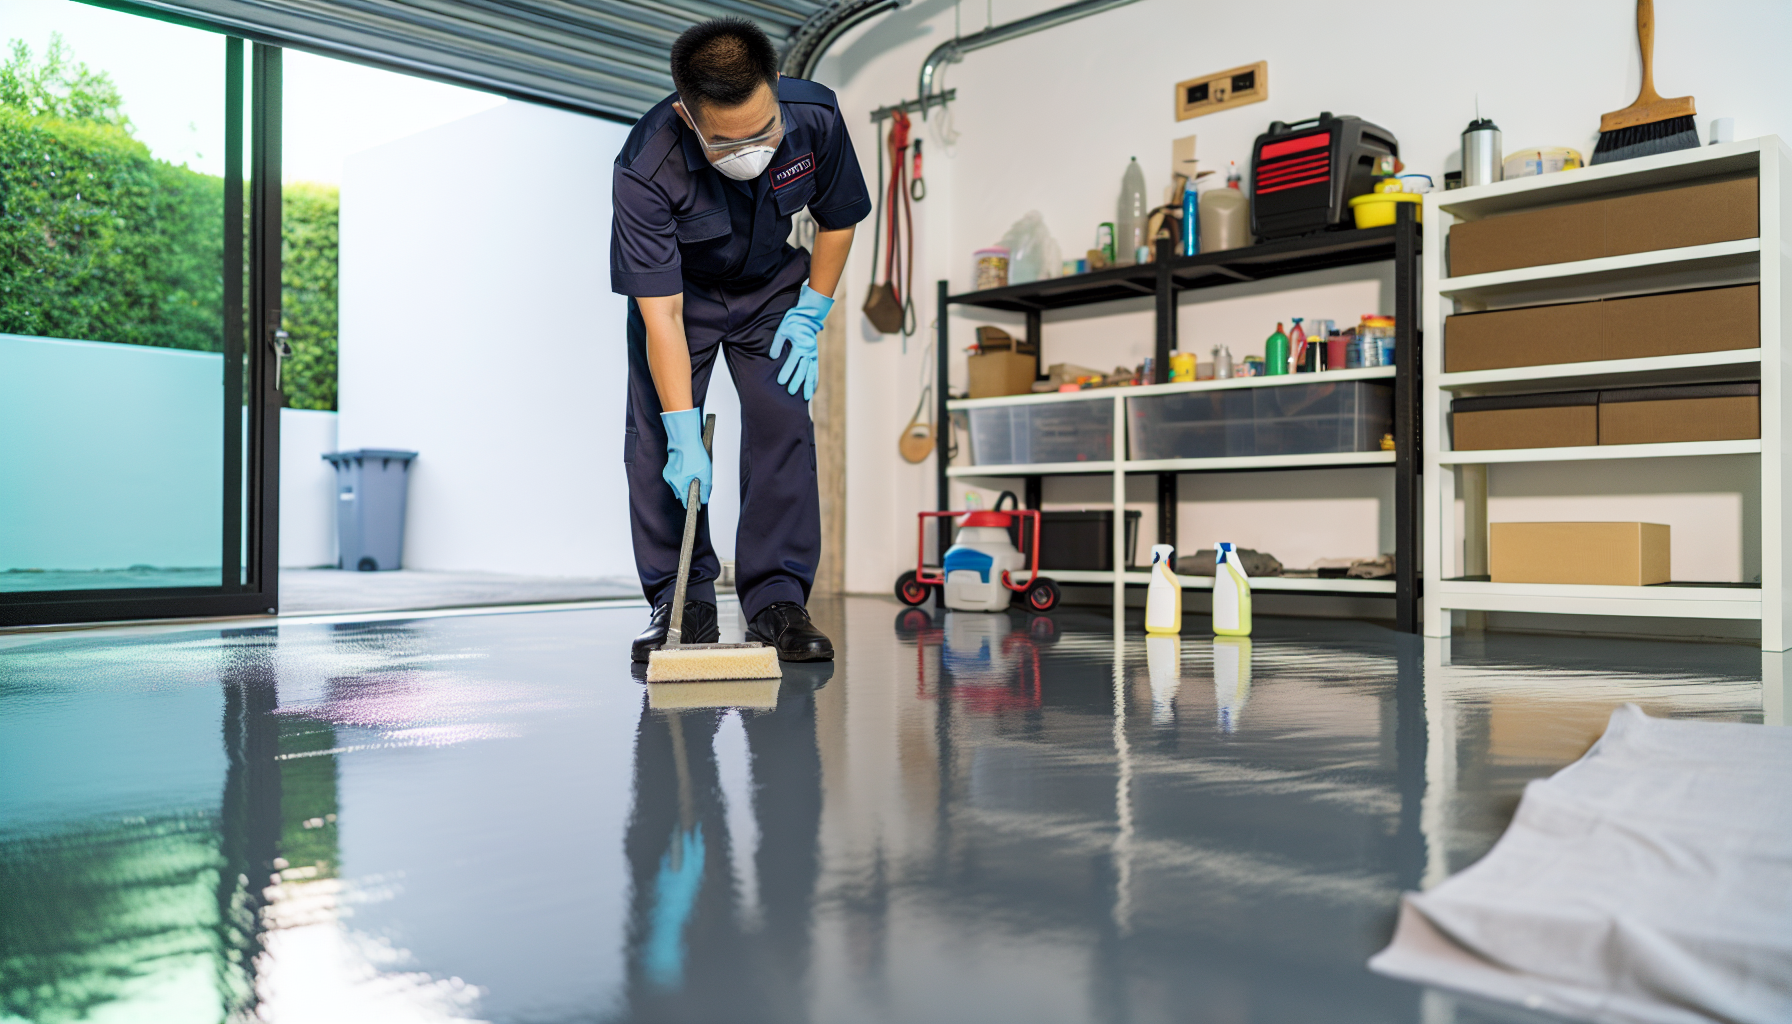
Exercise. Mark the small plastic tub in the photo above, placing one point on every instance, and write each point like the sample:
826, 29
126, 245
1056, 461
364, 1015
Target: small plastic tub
992, 268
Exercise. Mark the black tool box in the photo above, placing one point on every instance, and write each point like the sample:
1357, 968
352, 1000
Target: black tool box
1304, 174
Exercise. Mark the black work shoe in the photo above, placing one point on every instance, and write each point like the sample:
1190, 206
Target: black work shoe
786, 626
699, 628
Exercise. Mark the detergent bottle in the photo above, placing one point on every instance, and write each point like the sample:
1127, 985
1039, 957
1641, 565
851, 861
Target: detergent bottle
1163, 601
1275, 353
1231, 593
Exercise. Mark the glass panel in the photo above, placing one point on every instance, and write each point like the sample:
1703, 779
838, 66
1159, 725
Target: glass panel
113, 302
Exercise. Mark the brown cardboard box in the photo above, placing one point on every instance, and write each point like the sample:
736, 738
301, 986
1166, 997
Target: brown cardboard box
1525, 421
1600, 554
1719, 211
1697, 412
1712, 320
994, 374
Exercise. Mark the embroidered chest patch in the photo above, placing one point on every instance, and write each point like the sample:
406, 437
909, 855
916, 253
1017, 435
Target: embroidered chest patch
795, 170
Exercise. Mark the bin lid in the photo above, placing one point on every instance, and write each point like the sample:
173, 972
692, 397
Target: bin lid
369, 453
980, 518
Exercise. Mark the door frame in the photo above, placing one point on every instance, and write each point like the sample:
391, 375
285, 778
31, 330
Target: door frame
251, 370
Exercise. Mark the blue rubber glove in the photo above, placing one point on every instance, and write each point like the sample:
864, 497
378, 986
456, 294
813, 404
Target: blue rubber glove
685, 458
799, 327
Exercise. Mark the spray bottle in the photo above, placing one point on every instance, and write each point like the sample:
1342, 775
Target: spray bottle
1231, 593
1163, 600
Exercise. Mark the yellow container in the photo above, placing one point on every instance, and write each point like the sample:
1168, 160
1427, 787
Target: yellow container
1182, 367
1376, 210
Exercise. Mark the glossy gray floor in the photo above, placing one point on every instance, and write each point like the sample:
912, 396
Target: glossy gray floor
974, 818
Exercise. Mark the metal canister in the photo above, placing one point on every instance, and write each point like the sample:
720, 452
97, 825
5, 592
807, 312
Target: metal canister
1482, 163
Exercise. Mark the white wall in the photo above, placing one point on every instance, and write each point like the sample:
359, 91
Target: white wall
1048, 122
478, 328
307, 489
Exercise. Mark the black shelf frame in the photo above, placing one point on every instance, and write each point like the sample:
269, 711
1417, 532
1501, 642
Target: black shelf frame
1165, 279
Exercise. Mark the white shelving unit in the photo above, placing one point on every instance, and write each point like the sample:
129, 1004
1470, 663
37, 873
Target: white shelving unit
1745, 261
1118, 466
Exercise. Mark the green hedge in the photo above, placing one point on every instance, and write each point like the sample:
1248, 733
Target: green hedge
101, 241
308, 293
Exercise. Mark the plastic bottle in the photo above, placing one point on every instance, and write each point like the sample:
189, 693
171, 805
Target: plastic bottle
1275, 353
1163, 600
1225, 216
1191, 220
1129, 226
1231, 594
1297, 348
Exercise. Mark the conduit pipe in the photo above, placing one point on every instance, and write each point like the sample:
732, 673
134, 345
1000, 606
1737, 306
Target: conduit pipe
953, 51
813, 37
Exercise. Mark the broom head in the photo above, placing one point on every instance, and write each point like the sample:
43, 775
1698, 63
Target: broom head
1645, 128
707, 662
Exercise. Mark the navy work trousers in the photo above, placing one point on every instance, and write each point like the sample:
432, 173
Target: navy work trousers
779, 537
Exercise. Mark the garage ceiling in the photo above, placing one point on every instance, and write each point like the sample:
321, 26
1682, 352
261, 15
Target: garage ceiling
607, 57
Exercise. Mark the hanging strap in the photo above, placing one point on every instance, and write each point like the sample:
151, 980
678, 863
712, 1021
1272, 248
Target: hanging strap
877, 225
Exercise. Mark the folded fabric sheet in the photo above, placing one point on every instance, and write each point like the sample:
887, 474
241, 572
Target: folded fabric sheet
1650, 882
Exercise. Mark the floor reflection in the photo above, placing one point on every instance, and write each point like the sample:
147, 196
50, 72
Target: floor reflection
976, 817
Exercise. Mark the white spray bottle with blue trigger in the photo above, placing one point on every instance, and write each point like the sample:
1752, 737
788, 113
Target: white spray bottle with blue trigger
1231, 593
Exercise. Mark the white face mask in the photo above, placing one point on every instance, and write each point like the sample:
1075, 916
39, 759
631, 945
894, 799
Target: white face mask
745, 164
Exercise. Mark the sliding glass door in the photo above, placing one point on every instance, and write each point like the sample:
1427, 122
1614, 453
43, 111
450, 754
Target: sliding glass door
139, 313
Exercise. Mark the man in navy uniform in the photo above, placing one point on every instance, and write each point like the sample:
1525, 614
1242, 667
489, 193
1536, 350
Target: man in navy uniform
704, 192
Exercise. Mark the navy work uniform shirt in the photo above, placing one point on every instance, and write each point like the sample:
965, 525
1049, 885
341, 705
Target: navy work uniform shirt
680, 225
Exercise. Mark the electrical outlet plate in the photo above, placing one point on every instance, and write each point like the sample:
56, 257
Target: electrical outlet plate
1222, 91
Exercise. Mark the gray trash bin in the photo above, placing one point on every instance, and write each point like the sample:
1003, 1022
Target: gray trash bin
370, 490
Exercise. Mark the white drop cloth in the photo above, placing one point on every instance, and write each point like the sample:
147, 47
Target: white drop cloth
1650, 882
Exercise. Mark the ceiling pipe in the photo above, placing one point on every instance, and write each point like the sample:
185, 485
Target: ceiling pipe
953, 51
812, 38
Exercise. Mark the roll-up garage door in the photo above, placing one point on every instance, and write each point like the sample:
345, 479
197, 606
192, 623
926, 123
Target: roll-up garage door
607, 57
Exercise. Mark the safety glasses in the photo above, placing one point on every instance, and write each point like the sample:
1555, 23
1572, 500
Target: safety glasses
770, 138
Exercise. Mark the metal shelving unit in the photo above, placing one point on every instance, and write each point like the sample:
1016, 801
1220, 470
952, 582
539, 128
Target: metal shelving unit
1164, 280
1744, 261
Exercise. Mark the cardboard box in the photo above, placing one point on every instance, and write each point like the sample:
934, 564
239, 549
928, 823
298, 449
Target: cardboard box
1712, 320
1562, 420
1594, 554
1718, 211
1697, 412
994, 374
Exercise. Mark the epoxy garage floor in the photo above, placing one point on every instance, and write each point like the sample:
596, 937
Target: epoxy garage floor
967, 818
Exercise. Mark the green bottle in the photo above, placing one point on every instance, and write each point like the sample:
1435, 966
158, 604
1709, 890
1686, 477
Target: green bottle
1275, 353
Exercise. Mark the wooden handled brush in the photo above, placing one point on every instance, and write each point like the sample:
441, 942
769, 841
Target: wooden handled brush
1651, 125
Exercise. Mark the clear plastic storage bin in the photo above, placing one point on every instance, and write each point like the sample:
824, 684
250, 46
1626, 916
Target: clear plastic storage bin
1325, 417
1008, 435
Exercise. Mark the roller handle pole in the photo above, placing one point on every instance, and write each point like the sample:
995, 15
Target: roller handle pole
693, 504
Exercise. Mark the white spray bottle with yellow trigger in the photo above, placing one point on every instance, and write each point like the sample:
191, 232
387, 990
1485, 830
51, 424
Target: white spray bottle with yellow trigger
1163, 601
1231, 593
